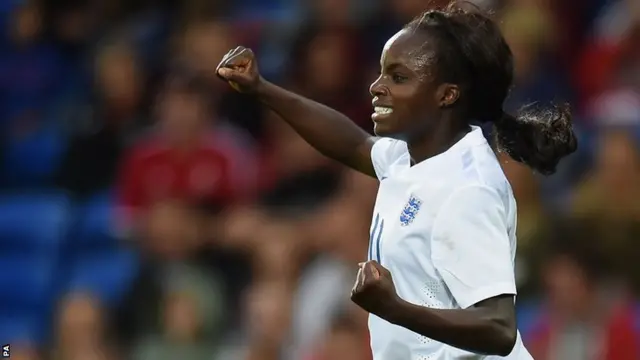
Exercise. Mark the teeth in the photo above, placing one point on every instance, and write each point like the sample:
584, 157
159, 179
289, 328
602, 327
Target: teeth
382, 110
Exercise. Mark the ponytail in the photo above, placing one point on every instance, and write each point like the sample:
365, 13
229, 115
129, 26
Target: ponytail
538, 138
473, 53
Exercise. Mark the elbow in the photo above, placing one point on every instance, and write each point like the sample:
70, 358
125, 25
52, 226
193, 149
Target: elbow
505, 339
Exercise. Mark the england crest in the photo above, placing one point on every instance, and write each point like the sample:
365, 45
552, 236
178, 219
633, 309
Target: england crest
410, 210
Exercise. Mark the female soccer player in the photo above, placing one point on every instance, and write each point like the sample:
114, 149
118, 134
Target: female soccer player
445, 217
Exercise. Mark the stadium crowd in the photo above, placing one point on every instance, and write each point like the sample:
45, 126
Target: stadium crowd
147, 212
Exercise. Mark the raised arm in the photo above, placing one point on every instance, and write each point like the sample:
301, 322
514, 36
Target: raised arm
327, 130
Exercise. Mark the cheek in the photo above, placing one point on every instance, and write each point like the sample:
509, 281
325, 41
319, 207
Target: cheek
409, 102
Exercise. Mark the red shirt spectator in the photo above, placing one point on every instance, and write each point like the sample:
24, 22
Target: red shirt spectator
215, 170
187, 160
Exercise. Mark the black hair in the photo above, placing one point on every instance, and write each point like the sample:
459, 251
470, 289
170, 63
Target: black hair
470, 51
183, 80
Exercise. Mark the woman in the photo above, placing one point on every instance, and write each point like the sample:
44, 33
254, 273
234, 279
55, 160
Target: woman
445, 217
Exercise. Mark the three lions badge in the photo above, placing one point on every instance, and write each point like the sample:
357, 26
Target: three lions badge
410, 210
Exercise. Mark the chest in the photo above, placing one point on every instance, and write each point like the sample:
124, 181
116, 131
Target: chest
403, 219
200, 175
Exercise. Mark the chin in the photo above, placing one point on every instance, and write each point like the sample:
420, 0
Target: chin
384, 131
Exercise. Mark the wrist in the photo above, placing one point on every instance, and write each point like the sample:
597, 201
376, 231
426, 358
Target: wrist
262, 86
396, 310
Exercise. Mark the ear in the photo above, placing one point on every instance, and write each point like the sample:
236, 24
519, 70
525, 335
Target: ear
447, 94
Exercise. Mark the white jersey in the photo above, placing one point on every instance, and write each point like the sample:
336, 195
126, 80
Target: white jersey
445, 229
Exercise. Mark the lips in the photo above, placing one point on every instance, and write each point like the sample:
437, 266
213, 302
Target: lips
381, 108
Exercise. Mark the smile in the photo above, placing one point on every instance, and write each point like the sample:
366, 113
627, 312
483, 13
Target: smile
382, 110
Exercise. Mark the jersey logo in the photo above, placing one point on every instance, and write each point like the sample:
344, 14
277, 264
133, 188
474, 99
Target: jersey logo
410, 210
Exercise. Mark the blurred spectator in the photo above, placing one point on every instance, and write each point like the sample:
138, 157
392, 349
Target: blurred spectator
585, 315
609, 197
243, 237
338, 242
102, 131
199, 45
202, 44
266, 317
529, 31
611, 190
30, 72
286, 155
82, 330
533, 224
186, 159
191, 309
327, 67
175, 184
614, 32
346, 340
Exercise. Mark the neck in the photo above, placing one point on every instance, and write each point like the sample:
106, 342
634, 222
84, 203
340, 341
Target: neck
435, 142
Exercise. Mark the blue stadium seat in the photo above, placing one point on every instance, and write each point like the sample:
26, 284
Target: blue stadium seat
32, 231
107, 275
32, 161
98, 263
27, 281
17, 327
33, 223
95, 225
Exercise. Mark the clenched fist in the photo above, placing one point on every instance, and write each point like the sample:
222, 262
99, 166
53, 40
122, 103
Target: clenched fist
240, 69
374, 290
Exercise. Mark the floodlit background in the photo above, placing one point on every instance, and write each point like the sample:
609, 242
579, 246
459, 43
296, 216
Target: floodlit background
148, 213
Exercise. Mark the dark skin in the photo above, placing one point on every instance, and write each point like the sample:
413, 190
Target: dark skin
423, 114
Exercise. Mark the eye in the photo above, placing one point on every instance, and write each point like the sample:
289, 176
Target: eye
399, 78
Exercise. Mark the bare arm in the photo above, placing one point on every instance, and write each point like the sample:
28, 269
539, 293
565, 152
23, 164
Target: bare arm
330, 132
488, 328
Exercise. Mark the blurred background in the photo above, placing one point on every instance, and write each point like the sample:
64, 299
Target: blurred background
149, 213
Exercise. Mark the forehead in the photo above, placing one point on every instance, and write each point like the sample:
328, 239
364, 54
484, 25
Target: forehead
408, 48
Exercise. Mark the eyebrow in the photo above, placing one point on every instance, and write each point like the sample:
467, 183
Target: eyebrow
392, 66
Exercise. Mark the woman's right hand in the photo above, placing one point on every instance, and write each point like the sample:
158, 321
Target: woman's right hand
239, 68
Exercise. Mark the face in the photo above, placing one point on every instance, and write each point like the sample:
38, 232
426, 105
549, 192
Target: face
332, 11
617, 154
325, 69
181, 317
203, 45
566, 285
183, 115
27, 23
407, 98
118, 76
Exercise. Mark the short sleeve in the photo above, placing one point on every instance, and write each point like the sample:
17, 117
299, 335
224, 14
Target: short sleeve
471, 247
385, 152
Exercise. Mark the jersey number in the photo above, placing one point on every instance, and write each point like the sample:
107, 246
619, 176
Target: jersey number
375, 238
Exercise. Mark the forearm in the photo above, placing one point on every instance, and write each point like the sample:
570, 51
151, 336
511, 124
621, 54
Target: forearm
476, 329
327, 130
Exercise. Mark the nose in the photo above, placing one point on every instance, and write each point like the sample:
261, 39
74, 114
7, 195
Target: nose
377, 88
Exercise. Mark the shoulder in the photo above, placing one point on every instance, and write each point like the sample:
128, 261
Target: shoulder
384, 153
146, 148
475, 196
472, 207
229, 141
479, 172
387, 147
